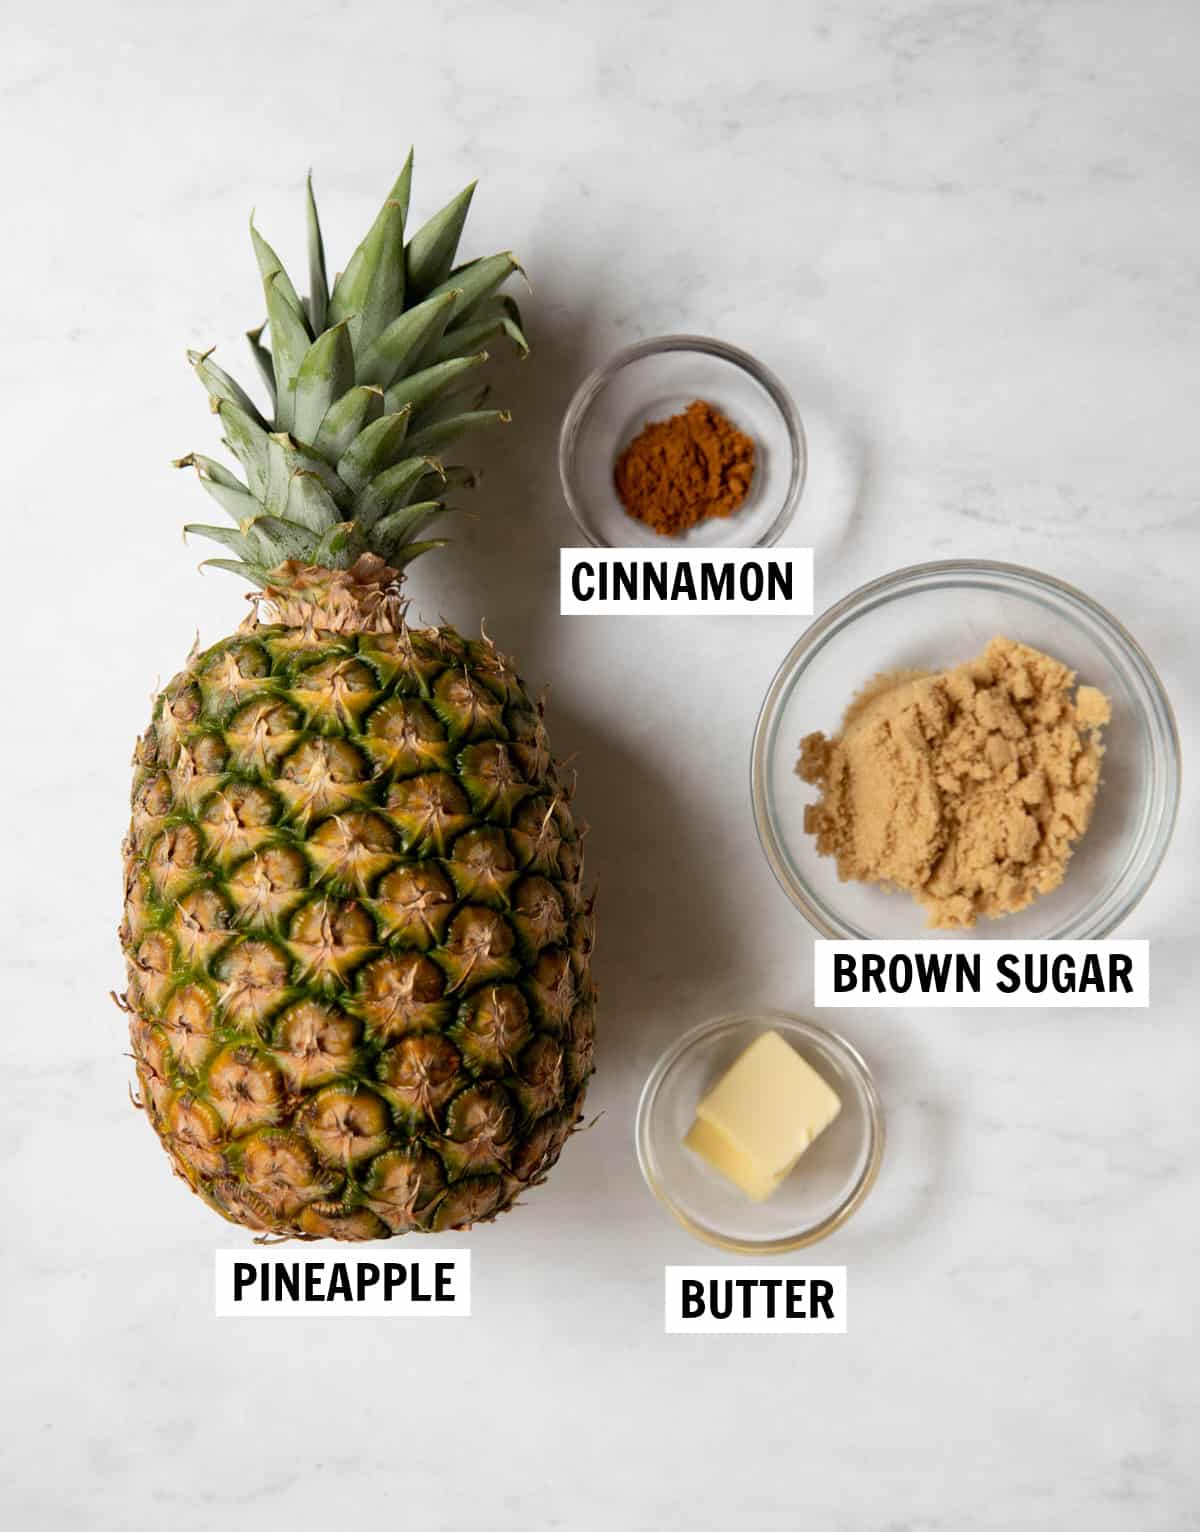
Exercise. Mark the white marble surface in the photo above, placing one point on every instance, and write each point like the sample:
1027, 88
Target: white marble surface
965, 235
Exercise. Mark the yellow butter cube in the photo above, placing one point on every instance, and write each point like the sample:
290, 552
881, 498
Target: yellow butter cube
761, 1115
724, 1156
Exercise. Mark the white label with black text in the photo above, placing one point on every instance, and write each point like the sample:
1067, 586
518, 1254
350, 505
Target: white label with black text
740, 582
755, 1300
266, 1284
879, 974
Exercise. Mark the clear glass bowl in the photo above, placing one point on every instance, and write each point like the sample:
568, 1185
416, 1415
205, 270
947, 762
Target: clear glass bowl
654, 380
929, 617
828, 1184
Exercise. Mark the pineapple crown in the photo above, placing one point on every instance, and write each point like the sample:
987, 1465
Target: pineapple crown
368, 383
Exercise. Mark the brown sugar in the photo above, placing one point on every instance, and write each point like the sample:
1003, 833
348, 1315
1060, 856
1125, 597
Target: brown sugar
967, 789
678, 472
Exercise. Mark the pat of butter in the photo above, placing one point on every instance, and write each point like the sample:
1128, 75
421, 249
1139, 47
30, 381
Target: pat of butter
761, 1115
724, 1156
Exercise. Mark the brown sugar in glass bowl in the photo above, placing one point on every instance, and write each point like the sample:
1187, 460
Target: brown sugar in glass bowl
679, 472
923, 618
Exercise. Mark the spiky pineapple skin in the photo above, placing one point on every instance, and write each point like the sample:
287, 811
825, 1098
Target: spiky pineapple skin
357, 942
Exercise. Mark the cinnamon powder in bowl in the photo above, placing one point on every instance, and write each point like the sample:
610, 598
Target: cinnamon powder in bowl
753, 483
676, 473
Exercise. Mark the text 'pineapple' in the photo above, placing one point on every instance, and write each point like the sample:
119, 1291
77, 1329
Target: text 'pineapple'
262, 1283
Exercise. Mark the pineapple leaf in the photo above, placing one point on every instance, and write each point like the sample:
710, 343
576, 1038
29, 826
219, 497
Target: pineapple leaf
282, 538
343, 282
339, 547
377, 447
422, 388
301, 458
498, 315
221, 386
370, 292
443, 431
411, 551
406, 337
290, 341
271, 268
318, 281
454, 401
309, 503
228, 491
478, 280
364, 392
430, 253
228, 537
326, 373
255, 573
402, 187
444, 479
279, 475
397, 528
286, 458
490, 306
262, 360
390, 490
247, 441
345, 418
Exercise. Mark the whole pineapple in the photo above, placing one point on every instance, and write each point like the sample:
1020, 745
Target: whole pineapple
357, 944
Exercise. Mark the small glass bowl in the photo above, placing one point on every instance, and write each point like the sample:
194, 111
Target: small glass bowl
654, 380
828, 1184
928, 617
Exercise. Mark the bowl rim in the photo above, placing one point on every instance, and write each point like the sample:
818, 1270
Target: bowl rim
600, 377
1113, 906
876, 1129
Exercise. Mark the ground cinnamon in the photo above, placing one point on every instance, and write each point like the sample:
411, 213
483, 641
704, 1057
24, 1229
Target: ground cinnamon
677, 472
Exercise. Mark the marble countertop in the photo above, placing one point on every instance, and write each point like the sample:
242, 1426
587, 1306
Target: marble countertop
965, 236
